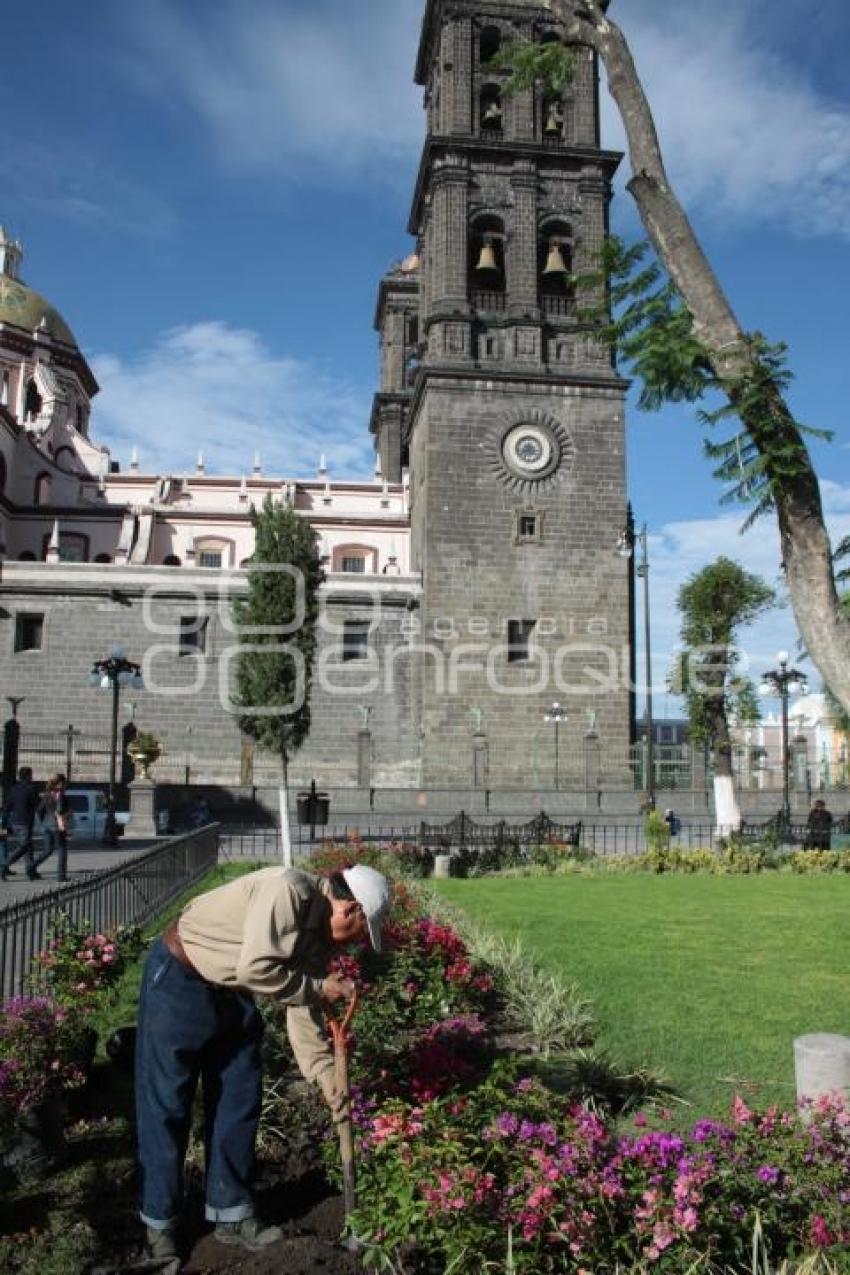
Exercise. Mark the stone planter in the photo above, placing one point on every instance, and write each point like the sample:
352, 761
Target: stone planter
143, 757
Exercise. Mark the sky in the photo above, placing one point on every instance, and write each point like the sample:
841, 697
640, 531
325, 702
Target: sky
210, 190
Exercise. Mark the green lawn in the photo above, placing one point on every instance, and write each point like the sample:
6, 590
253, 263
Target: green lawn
708, 978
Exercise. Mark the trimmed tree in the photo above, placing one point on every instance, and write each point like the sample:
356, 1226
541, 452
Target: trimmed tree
277, 623
715, 604
704, 346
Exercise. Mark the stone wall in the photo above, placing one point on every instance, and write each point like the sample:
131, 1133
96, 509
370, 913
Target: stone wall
361, 709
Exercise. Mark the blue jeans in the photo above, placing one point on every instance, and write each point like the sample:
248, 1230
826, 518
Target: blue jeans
58, 841
187, 1029
21, 837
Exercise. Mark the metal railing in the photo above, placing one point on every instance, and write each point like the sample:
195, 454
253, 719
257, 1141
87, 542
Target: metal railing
129, 894
603, 839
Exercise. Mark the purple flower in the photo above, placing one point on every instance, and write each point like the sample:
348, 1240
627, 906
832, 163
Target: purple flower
507, 1124
768, 1174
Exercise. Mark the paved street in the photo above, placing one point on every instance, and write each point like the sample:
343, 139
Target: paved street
84, 857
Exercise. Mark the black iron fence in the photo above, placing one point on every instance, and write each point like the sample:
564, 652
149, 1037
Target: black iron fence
129, 894
462, 833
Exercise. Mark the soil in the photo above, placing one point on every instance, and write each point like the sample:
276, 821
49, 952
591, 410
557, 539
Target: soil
312, 1218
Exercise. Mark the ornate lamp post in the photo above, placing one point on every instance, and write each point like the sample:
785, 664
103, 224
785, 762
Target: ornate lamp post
111, 674
556, 714
782, 682
625, 548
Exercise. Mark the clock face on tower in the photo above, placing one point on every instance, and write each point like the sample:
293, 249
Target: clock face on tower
528, 450
528, 453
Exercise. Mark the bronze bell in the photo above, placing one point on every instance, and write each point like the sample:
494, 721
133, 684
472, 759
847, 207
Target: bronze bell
487, 259
554, 120
555, 263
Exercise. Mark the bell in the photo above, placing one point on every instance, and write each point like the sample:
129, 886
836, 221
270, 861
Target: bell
554, 119
493, 113
555, 263
487, 259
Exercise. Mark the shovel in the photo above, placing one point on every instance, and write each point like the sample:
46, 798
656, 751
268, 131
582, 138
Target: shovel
342, 1039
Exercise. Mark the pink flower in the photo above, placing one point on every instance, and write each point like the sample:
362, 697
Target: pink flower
741, 1113
819, 1233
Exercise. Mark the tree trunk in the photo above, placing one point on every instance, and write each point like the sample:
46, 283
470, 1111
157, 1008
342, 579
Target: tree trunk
283, 801
806, 550
727, 812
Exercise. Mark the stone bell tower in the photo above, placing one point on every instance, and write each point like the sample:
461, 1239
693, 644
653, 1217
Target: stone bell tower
515, 424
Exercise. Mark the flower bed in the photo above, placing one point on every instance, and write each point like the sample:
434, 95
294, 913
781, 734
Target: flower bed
464, 1156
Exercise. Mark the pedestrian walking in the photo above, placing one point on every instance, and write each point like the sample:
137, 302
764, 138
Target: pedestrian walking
19, 809
673, 822
269, 932
55, 814
819, 824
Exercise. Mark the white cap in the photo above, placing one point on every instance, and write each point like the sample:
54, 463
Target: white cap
372, 892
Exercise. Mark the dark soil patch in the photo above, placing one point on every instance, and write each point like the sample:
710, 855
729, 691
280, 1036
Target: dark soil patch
312, 1218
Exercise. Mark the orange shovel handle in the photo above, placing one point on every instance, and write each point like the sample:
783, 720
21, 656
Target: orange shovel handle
339, 1026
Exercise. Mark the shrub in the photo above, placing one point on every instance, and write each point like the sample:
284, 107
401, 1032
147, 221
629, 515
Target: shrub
803, 861
42, 1047
79, 963
455, 1173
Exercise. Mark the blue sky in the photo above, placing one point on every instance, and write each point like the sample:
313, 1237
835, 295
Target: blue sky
209, 191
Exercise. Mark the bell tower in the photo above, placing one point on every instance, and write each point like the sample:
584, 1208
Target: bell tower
515, 424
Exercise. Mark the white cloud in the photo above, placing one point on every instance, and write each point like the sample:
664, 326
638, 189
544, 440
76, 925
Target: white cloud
745, 134
324, 93
319, 92
220, 390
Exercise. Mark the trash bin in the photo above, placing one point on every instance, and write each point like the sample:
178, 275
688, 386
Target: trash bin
323, 808
303, 803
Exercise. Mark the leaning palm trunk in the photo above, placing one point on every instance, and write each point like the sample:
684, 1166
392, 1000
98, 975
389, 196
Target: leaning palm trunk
806, 550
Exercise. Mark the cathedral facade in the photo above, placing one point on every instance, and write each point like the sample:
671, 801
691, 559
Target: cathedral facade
474, 598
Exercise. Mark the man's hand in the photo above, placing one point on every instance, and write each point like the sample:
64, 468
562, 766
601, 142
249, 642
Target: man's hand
335, 988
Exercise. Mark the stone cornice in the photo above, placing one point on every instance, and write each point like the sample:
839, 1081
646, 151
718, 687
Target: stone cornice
469, 379
580, 159
62, 355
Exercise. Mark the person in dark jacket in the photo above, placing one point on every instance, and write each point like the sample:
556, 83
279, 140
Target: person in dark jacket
820, 827
20, 807
55, 813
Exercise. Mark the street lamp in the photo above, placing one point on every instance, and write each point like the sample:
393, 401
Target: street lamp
556, 714
625, 548
113, 673
783, 682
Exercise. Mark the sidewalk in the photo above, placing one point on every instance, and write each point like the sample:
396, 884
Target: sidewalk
84, 857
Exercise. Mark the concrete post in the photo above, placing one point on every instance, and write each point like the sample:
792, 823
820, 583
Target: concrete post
822, 1064
142, 809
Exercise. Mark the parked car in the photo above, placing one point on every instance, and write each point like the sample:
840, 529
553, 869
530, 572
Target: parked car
88, 806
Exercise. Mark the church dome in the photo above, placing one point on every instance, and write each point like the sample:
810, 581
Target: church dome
22, 306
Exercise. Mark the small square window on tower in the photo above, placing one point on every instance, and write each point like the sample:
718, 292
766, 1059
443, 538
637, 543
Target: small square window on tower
519, 640
529, 526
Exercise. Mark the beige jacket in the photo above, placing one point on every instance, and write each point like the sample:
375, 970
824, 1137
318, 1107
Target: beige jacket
267, 932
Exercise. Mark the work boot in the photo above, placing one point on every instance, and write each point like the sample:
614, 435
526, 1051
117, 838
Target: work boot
250, 1233
161, 1245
